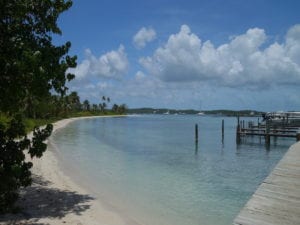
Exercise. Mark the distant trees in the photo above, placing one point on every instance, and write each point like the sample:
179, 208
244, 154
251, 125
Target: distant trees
86, 105
74, 101
103, 106
95, 107
115, 108
63, 106
71, 104
32, 70
119, 109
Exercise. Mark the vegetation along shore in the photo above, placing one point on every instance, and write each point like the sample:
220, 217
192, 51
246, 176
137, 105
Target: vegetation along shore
34, 92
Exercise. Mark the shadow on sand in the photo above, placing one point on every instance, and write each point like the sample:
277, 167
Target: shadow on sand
43, 201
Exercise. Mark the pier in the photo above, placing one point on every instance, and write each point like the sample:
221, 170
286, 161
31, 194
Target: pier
277, 199
267, 130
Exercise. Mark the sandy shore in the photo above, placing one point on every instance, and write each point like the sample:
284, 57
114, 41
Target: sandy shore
55, 199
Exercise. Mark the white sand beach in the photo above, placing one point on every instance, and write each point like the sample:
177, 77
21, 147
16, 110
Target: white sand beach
54, 198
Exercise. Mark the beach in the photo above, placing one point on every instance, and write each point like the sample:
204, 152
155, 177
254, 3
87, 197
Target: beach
54, 198
104, 171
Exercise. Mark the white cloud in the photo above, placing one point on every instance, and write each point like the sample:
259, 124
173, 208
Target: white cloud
112, 64
102, 85
293, 43
143, 36
187, 72
241, 61
81, 70
140, 75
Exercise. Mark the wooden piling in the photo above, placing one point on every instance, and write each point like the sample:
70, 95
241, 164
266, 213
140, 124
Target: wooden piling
222, 129
267, 132
238, 135
298, 135
196, 133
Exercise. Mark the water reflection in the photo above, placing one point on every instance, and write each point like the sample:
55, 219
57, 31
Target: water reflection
258, 143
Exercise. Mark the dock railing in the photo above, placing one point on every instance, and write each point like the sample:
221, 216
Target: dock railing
267, 130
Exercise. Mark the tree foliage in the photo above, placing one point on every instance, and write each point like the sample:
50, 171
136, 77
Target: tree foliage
119, 109
14, 170
31, 66
32, 69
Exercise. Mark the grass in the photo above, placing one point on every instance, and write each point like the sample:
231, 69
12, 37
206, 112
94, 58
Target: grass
4, 119
30, 124
91, 113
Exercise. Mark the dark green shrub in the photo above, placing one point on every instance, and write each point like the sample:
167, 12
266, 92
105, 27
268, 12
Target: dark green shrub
14, 170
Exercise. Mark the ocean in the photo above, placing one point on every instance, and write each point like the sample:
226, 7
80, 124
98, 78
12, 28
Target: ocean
149, 169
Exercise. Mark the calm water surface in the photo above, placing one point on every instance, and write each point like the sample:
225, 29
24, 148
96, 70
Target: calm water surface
148, 167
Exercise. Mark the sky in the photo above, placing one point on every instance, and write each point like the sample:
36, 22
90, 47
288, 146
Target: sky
186, 54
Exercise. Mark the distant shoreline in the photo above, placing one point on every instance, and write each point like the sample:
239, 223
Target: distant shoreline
219, 112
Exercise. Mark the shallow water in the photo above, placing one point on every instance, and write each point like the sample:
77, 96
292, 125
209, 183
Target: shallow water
148, 167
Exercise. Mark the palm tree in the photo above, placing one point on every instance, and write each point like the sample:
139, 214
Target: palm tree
115, 108
101, 107
122, 109
86, 105
104, 106
74, 101
95, 107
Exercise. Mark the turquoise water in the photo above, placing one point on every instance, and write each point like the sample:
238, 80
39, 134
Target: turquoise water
148, 167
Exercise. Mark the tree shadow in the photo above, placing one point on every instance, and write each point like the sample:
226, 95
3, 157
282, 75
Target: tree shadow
43, 201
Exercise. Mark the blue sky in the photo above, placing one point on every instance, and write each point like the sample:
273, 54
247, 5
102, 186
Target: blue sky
233, 54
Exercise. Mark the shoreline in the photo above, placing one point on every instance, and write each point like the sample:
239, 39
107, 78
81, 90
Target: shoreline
55, 198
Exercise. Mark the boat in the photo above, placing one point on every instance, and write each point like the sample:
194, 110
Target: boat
282, 118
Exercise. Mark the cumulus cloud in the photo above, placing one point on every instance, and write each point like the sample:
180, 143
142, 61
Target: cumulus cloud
139, 75
143, 36
187, 72
110, 65
241, 61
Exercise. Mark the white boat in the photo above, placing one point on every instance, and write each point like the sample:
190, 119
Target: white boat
289, 118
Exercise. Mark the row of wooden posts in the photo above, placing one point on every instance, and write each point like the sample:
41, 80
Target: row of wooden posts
258, 130
267, 130
196, 132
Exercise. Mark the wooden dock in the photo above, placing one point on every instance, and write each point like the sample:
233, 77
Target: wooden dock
267, 130
277, 199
